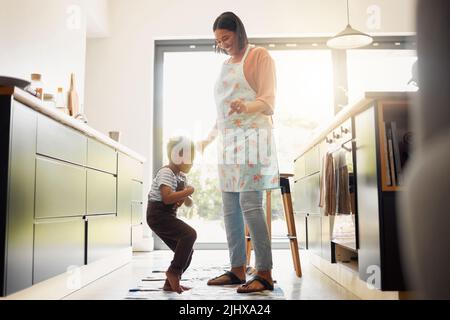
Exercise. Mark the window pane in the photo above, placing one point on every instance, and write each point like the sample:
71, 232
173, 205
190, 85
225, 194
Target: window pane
189, 110
305, 100
378, 70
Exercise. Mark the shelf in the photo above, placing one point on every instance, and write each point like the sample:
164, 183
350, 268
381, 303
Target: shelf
393, 149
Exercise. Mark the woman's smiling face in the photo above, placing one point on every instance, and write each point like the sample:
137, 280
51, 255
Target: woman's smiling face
226, 40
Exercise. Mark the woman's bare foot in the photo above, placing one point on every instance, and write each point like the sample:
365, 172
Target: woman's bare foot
167, 287
174, 282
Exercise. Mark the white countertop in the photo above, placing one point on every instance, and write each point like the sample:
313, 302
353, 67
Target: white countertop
348, 112
36, 104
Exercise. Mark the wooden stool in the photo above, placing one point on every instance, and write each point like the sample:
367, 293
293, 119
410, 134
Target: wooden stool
289, 215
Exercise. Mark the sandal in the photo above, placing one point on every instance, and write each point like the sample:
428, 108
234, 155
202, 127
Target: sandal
266, 285
232, 279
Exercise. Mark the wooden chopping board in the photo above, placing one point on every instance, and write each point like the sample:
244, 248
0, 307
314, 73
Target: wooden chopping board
73, 101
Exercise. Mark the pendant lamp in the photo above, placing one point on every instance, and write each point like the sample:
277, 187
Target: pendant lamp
349, 38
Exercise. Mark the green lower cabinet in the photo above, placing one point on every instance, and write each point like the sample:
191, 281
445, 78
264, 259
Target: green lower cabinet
103, 237
60, 189
17, 260
58, 247
315, 234
101, 192
136, 212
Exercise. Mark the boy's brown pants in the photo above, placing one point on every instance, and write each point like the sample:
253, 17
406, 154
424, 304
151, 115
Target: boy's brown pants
176, 234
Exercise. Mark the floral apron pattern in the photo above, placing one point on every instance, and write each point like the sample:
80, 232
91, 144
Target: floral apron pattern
246, 146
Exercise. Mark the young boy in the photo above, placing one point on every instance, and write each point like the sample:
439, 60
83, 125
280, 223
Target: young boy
169, 191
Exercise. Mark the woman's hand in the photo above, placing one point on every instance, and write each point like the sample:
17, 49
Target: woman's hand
238, 106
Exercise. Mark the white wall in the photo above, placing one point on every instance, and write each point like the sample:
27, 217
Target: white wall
119, 69
47, 37
97, 15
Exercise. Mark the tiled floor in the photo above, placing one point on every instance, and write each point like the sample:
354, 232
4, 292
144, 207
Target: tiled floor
313, 285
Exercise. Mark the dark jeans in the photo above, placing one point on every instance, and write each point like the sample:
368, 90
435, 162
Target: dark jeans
176, 234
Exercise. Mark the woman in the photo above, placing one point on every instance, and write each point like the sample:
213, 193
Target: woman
245, 95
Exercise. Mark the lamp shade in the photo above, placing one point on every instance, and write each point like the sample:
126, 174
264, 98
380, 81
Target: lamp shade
349, 38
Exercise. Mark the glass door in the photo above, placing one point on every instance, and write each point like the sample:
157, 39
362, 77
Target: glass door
304, 100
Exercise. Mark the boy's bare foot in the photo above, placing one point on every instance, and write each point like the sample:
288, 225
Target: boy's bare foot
174, 282
167, 287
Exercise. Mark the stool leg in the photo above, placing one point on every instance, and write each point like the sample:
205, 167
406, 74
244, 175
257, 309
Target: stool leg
289, 215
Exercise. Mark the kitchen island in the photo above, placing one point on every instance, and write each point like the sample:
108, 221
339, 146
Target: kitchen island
70, 198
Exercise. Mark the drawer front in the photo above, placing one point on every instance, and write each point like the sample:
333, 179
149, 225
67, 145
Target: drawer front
58, 245
312, 193
299, 168
326, 237
137, 188
101, 192
136, 212
58, 141
299, 200
105, 236
314, 234
60, 189
307, 194
312, 162
137, 170
101, 157
302, 232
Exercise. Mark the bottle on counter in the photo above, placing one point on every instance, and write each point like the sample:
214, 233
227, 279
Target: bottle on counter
61, 101
72, 102
50, 100
37, 86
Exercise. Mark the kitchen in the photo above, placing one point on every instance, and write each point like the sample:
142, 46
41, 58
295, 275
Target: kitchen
139, 69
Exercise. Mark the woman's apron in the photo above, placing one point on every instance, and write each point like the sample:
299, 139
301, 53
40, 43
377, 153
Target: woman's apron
246, 146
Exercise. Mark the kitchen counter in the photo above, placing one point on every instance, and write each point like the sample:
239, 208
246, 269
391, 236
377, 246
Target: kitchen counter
348, 112
36, 104
69, 197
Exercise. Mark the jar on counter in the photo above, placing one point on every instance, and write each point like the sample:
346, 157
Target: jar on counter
37, 86
61, 101
49, 100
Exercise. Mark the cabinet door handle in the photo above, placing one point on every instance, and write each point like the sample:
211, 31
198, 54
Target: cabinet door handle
344, 147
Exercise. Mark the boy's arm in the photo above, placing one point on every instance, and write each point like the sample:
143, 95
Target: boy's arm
170, 197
